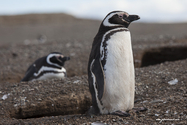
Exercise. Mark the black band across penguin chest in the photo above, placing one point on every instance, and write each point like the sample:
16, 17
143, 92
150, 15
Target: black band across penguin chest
104, 44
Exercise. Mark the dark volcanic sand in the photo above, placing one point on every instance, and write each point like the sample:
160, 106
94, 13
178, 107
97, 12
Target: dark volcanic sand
160, 52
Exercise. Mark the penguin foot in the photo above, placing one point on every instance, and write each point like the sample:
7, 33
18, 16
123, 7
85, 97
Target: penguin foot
92, 111
139, 109
120, 113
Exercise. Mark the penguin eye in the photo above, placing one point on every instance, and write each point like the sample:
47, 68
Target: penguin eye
121, 16
59, 58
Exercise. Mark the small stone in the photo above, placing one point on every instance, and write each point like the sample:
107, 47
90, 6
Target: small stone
173, 82
39, 99
145, 101
156, 101
4, 97
142, 115
97, 123
164, 102
167, 111
113, 120
15, 105
121, 120
77, 81
181, 113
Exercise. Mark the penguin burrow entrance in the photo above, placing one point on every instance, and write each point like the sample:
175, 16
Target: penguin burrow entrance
160, 55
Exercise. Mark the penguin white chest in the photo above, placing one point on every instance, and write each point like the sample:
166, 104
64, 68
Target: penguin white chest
119, 73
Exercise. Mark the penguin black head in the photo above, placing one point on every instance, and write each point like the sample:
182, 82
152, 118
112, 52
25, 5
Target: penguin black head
56, 58
119, 18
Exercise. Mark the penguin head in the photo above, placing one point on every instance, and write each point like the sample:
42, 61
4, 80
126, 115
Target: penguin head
119, 18
57, 59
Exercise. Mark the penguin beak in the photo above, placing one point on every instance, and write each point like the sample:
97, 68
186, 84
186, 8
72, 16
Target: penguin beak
131, 18
64, 58
67, 58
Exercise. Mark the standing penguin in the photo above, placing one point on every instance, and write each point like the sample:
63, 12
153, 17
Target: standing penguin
47, 67
111, 74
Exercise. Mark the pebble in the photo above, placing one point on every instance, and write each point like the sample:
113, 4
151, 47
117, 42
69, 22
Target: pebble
156, 101
167, 111
145, 101
173, 82
77, 81
39, 99
142, 115
4, 97
97, 123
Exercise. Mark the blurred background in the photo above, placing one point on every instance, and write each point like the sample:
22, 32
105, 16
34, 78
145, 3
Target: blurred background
149, 10
33, 21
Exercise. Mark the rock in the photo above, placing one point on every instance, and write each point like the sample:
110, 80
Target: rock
157, 101
173, 82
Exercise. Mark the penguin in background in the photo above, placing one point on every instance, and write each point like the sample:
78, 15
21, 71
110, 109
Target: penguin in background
111, 74
47, 67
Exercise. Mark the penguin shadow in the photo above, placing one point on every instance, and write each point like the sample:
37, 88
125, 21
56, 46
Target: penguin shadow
91, 111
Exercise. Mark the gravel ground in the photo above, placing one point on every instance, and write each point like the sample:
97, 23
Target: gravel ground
160, 52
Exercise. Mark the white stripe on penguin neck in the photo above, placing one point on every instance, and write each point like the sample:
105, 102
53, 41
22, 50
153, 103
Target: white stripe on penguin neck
107, 23
49, 62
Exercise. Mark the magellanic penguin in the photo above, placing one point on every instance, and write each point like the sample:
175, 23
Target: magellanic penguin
111, 74
47, 67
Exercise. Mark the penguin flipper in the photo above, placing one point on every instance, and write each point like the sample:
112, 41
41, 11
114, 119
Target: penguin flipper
98, 72
30, 71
